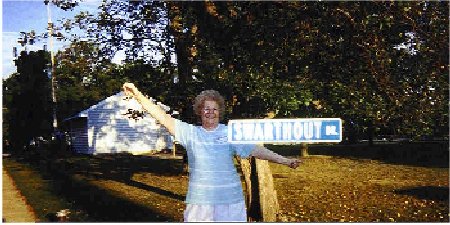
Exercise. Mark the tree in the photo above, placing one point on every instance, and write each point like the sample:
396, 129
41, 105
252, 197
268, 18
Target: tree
323, 59
27, 99
295, 59
82, 79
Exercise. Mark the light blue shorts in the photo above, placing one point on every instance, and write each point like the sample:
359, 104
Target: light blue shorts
216, 213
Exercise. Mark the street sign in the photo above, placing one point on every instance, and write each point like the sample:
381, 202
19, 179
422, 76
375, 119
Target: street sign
252, 131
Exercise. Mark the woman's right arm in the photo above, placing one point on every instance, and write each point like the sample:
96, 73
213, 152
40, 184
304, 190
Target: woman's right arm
155, 111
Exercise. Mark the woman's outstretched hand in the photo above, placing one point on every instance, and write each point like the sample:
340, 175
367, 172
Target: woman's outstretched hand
129, 89
293, 163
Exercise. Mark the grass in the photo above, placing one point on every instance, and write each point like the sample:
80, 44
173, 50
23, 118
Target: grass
40, 192
107, 188
326, 188
332, 189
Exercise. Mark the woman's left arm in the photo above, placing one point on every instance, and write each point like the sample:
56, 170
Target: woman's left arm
260, 152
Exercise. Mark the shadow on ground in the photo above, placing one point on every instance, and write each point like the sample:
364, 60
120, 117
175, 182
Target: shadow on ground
426, 192
424, 154
102, 205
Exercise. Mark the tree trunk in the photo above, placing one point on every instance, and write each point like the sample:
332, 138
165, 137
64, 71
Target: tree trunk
304, 150
370, 131
182, 40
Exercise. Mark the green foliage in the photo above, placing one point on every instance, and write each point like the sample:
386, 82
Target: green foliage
374, 63
328, 59
27, 100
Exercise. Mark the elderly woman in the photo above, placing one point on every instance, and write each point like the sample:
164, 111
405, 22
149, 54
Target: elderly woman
215, 191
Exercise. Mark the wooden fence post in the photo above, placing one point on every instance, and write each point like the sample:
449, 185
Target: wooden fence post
261, 196
251, 193
267, 193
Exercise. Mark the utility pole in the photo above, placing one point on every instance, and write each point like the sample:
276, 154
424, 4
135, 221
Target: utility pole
50, 35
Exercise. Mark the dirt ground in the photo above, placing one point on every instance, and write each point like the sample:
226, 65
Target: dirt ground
324, 189
327, 189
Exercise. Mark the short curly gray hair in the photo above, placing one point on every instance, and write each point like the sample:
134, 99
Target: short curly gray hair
209, 95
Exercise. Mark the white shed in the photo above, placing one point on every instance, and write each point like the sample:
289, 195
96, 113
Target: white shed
103, 128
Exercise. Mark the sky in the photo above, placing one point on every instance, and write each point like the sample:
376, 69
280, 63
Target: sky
27, 15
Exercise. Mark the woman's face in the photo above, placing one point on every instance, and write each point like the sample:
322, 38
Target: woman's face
210, 114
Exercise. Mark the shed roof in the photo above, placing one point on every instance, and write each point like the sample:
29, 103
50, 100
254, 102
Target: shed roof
117, 97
